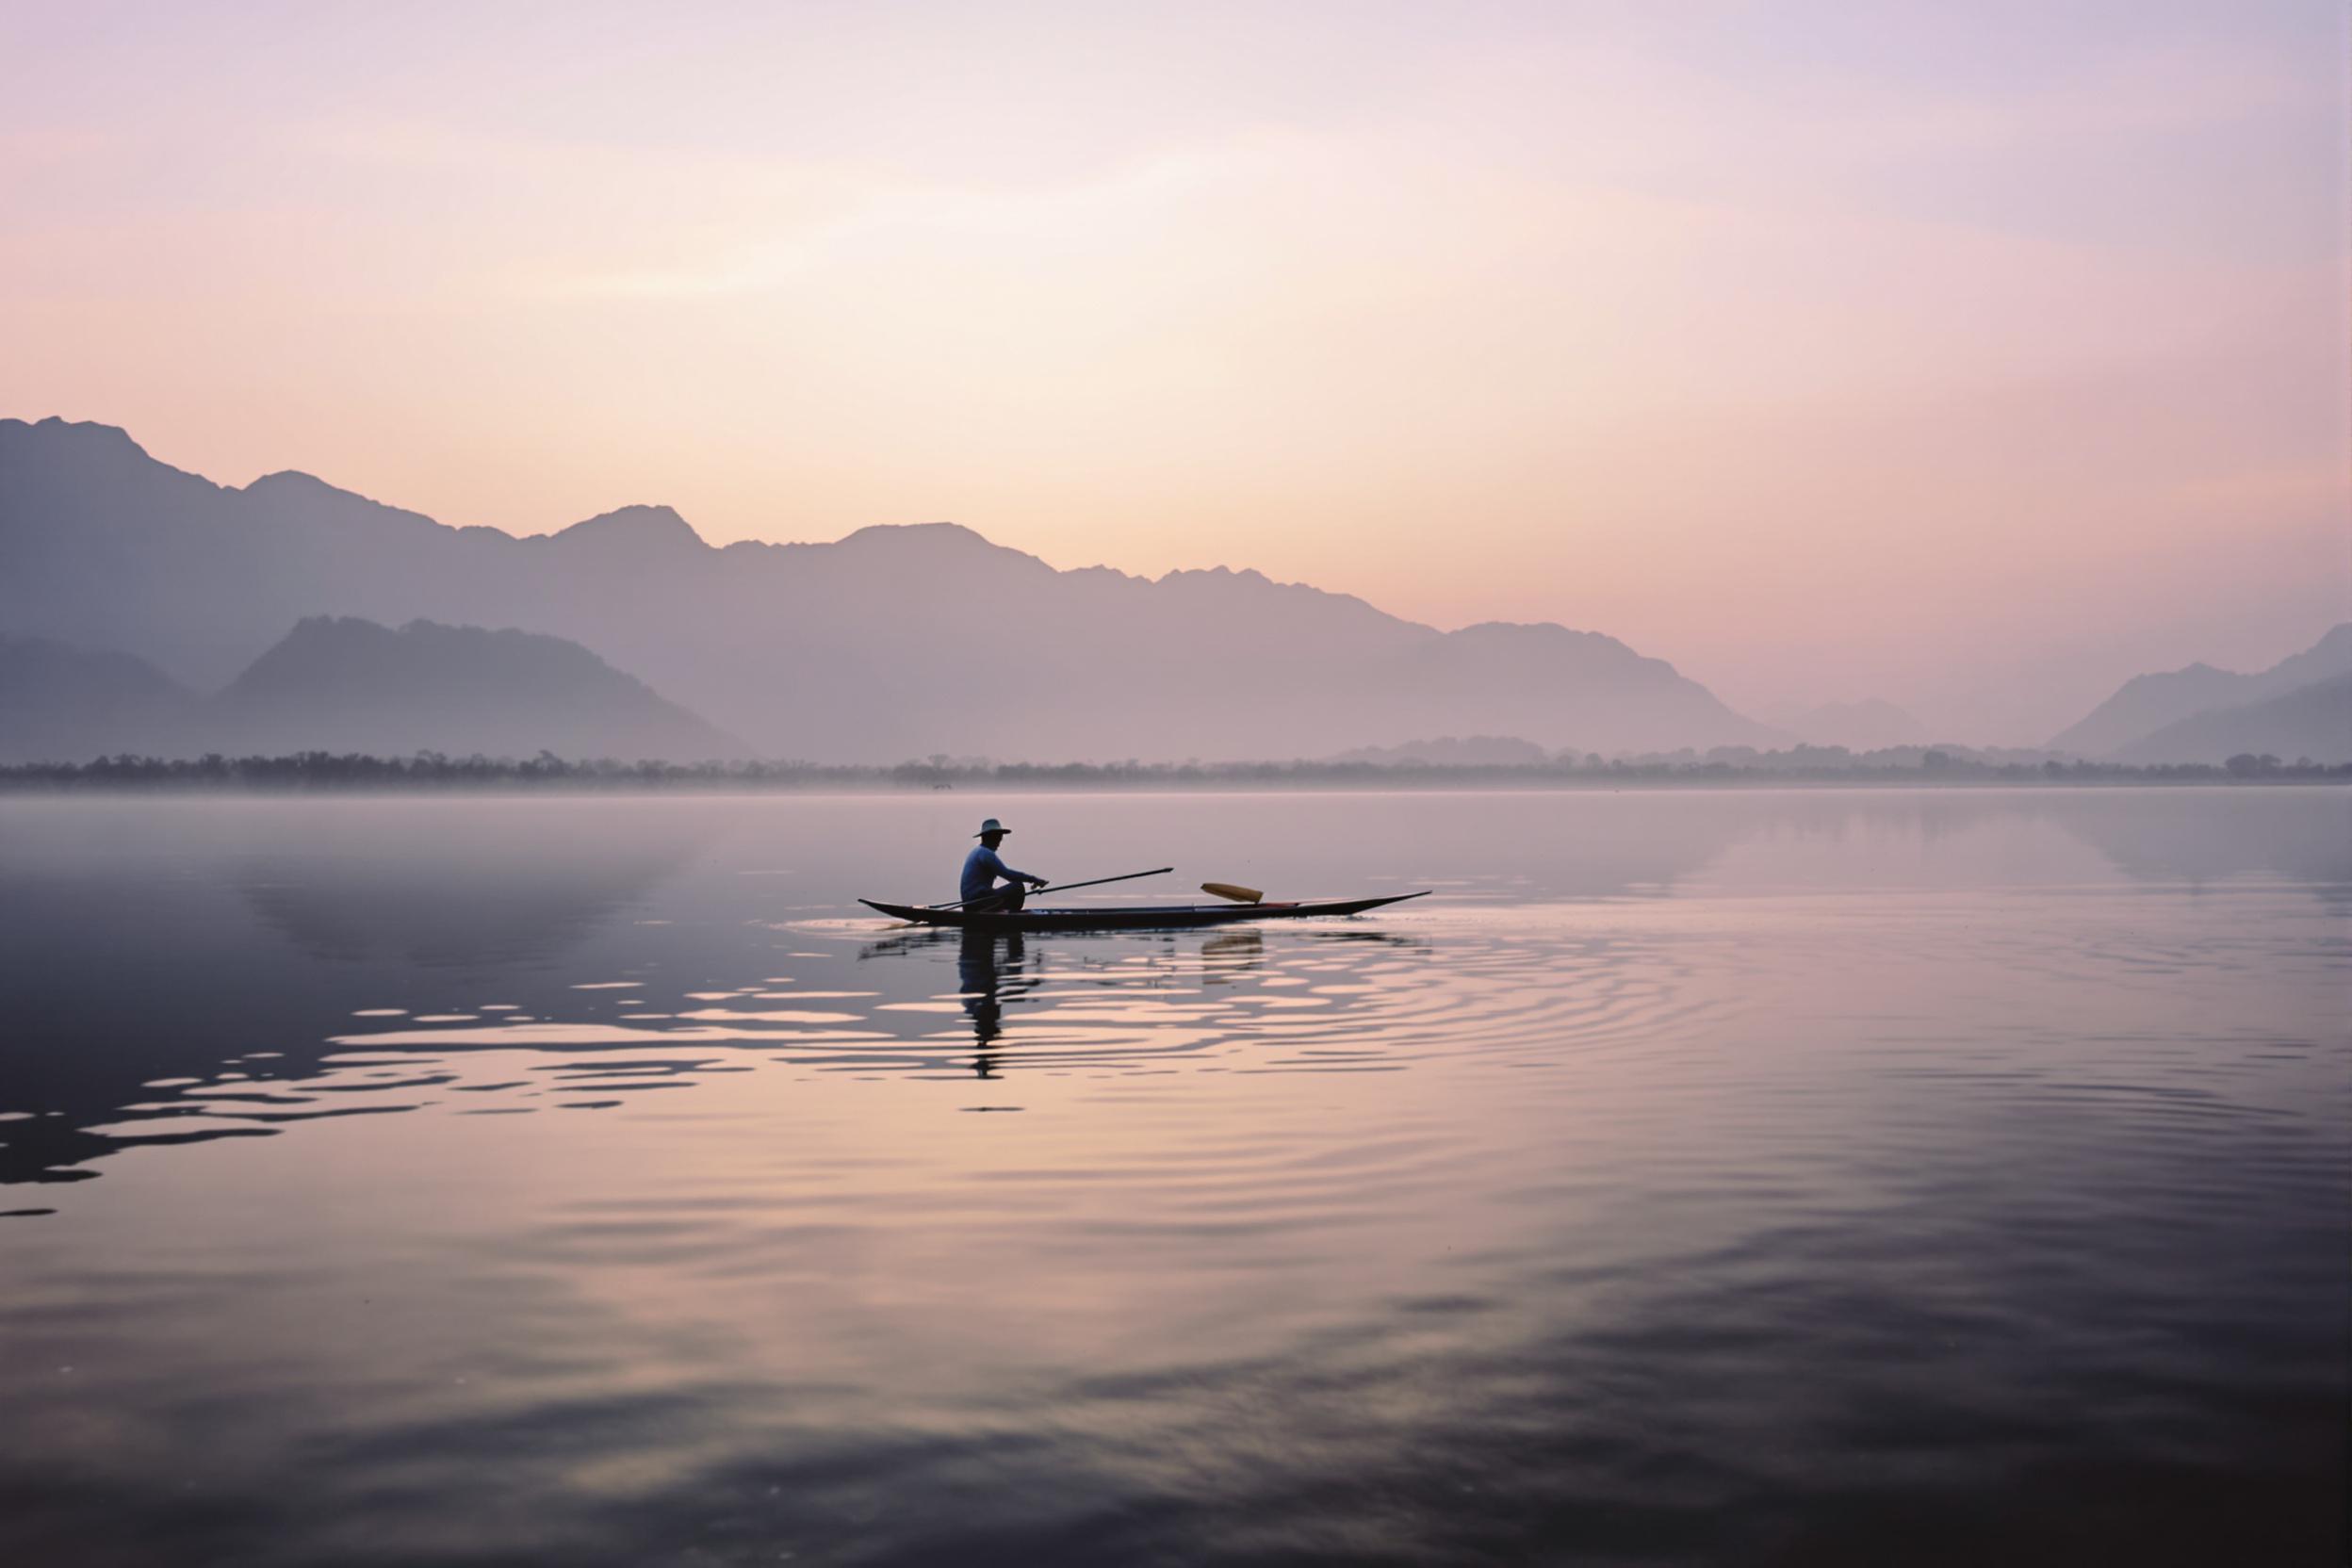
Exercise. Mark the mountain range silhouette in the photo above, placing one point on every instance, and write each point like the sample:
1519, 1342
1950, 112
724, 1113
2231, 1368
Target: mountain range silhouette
2312, 721
891, 643
144, 607
2175, 716
340, 684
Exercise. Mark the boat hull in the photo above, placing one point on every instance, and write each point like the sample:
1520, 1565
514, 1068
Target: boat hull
1152, 918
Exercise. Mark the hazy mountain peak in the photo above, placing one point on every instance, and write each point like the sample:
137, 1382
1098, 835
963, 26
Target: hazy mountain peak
339, 626
93, 455
2147, 704
341, 682
287, 478
304, 504
638, 527
1222, 583
62, 703
2312, 720
86, 432
296, 483
934, 530
925, 560
1510, 634
2330, 657
937, 540
1221, 574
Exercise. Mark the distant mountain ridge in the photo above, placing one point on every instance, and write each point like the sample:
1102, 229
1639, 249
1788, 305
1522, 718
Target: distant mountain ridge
890, 643
345, 685
60, 703
2313, 721
2147, 704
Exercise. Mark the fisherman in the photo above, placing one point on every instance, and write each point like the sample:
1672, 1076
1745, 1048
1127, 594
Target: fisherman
982, 868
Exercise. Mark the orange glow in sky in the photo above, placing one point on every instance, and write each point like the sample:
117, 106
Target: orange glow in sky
1971, 357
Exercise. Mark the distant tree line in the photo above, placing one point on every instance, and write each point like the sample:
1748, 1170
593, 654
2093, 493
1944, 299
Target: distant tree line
429, 770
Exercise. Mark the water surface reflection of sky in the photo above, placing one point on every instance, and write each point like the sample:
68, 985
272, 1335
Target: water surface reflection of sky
417, 1181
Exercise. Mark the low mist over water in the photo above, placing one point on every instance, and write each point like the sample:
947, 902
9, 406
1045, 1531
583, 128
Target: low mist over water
1782, 1177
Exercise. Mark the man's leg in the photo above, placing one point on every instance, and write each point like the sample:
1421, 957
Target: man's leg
1014, 897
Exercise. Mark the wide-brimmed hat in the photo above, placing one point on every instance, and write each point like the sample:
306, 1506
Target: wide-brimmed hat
991, 826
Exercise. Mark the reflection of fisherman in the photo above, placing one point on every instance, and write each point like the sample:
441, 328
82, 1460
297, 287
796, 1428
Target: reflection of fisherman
982, 868
982, 981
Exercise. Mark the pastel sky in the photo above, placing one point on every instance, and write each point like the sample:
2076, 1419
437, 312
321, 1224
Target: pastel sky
1974, 355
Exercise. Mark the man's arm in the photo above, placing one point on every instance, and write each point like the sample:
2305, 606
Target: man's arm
997, 867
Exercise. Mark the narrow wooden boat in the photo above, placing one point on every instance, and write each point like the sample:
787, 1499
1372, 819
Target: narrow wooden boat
1131, 917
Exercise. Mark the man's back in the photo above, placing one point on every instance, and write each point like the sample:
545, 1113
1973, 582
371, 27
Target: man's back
982, 868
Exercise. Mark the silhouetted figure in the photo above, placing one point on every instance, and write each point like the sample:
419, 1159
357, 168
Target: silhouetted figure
983, 981
982, 869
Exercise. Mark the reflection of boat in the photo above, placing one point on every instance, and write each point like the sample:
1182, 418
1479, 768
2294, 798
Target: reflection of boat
1132, 917
1239, 949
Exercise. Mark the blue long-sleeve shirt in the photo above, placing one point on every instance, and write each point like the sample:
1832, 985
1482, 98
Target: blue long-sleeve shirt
981, 870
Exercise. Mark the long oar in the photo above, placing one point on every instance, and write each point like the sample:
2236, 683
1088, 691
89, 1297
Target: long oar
1063, 887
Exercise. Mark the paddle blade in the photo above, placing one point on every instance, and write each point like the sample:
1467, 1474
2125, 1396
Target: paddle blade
1238, 894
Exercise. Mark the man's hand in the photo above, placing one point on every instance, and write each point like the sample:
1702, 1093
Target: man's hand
1037, 881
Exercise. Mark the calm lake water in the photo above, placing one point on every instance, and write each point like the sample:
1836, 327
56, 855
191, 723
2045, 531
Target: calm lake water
1874, 1176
